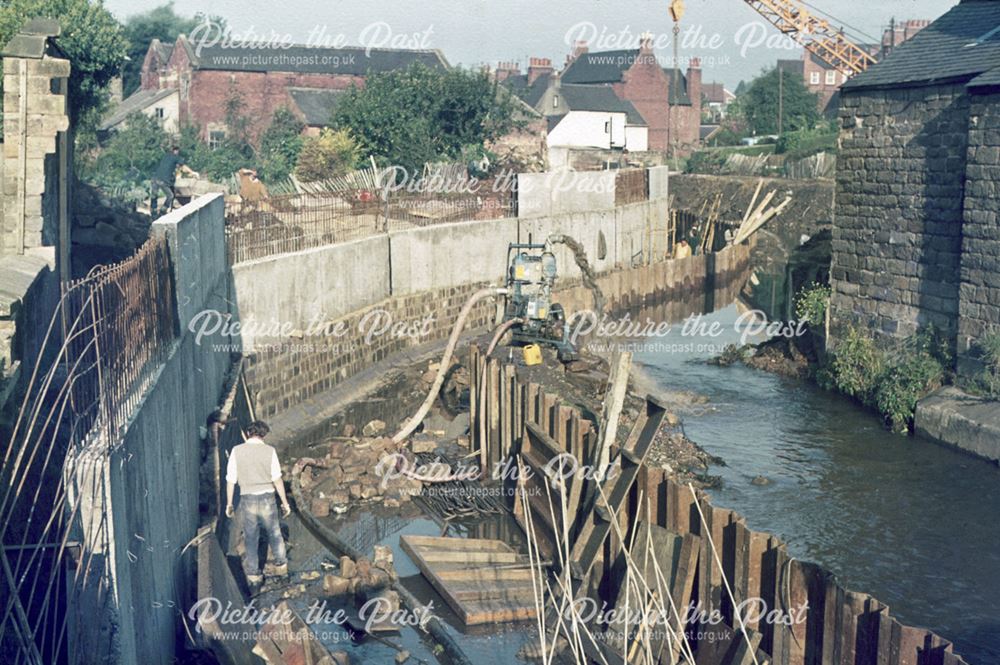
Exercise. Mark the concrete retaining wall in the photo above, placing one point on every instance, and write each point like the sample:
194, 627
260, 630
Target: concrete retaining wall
314, 285
557, 192
293, 292
152, 470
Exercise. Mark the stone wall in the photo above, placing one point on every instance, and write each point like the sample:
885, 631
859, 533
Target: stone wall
979, 292
35, 123
897, 234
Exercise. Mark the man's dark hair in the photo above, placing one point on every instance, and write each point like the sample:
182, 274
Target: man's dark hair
175, 148
259, 429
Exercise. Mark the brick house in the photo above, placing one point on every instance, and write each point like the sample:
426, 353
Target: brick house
824, 80
916, 237
263, 78
636, 78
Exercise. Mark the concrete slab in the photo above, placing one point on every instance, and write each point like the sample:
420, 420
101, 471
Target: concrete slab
17, 273
955, 418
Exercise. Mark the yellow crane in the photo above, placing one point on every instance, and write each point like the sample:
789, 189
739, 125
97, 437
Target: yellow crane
815, 34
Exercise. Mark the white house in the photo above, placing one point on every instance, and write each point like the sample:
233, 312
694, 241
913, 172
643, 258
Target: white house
164, 105
592, 116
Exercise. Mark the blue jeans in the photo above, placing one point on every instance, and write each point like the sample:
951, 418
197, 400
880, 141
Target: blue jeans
260, 511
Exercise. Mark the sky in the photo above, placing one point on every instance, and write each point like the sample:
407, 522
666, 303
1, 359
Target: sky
732, 40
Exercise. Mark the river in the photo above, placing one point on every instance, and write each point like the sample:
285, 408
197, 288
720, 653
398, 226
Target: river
910, 522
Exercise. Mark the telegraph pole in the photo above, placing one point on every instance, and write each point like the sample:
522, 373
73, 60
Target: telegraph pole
676, 13
781, 98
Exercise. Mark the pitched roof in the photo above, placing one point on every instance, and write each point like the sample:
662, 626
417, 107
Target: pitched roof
529, 94
349, 60
601, 67
599, 98
137, 101
716, 93
316, 104
960, 45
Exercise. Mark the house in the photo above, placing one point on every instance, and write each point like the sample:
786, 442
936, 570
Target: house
641, 110
915, 236
314, 106
715, 100
164, 105
825, 80
592, 116
262, 79
668, 100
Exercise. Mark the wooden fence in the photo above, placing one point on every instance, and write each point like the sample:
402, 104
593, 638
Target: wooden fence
840, 626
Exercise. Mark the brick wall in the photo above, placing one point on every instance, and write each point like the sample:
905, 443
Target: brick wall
646, 85
898, 223
262, 94
979, 292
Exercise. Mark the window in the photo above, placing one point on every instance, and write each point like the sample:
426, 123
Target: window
555, 101
159, 112
607, 127
814, 78
831, 77
215, 138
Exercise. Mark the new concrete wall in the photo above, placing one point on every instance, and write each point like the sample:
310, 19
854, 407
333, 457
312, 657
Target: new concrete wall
152, 470
557, 192
311, 286
296, 291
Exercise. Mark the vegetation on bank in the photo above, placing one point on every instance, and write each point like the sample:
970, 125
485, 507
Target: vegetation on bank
987, 382
888, 377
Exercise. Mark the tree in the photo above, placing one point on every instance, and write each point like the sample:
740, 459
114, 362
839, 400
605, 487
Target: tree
280, 145
758, 106
161, 23
234, 152
92, 38
412, 116
332, 153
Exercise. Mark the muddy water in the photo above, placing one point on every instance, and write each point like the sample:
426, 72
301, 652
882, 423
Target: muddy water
912, 523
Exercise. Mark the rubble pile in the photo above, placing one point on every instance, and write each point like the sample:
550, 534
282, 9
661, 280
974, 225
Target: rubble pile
354, 471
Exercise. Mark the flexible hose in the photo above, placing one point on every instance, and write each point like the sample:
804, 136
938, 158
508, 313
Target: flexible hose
580, 256
456, 331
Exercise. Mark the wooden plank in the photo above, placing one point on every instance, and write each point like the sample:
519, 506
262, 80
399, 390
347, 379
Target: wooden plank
442, 556
473, 544
494, 609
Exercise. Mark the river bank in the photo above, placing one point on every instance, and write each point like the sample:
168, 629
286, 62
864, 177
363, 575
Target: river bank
847, 493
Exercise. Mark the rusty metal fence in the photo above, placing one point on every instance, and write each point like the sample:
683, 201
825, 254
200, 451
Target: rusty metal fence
294, 222
121, 319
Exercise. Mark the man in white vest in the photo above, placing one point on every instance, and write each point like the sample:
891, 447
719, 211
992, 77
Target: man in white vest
253, 465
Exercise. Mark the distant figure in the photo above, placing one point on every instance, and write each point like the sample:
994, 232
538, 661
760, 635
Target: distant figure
163, 179
682, 250
253, 465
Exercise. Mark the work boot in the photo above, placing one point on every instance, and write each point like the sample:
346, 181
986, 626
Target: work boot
272, 570
255, 582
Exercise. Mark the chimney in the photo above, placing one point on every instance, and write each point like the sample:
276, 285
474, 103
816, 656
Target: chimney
694, 82
538, 67
507, 69
579, 48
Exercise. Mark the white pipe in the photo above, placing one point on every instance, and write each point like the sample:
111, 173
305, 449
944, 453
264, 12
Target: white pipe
456, 331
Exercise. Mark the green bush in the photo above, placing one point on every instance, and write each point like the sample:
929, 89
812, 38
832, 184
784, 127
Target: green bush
857, 366
892, 382
811, 304
904, 382
807, 142
331, 154
989, 379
